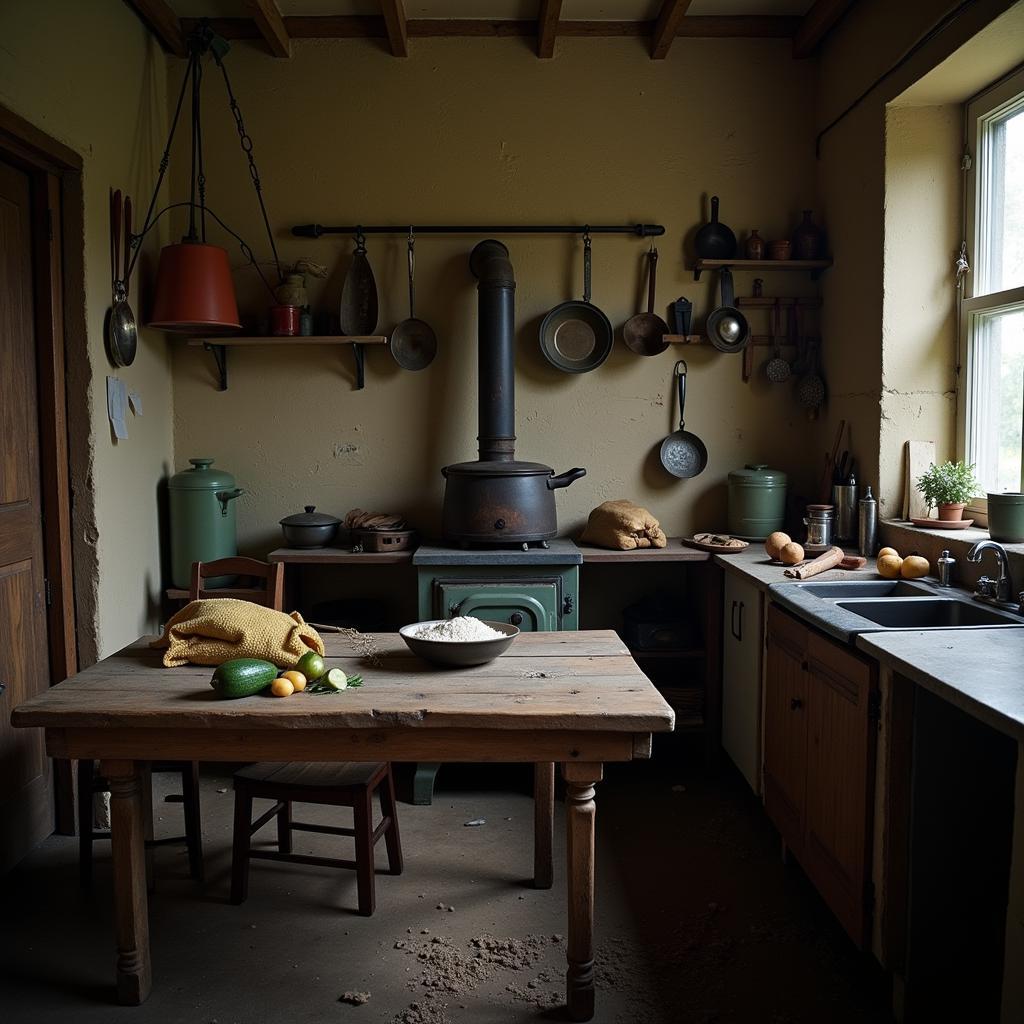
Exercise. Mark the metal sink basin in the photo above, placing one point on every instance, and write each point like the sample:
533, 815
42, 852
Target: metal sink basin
929, 613
866, 588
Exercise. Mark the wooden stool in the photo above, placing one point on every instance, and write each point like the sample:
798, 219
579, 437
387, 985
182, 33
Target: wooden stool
339, 784
89, 783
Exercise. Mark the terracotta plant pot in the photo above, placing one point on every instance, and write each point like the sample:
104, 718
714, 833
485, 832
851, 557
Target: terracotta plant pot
951, 513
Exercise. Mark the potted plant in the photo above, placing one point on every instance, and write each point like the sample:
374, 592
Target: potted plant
948, 487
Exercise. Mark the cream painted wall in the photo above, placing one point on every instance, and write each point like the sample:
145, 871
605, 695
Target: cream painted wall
885, 402
90, 76
482, 131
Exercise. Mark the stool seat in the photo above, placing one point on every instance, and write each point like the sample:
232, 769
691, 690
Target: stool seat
336, 783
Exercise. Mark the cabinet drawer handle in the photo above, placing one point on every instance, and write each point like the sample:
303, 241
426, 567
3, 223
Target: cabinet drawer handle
796, 703
516, 618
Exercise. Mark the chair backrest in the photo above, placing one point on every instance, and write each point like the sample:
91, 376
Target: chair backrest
265, 581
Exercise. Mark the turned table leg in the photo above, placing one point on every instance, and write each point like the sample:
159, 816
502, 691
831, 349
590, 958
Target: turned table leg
543, 824
127, 833
579, 818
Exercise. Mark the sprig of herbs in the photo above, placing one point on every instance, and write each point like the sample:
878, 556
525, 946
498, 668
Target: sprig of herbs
321, 686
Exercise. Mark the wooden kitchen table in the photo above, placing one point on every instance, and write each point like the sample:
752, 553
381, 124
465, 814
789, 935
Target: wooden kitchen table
574, 697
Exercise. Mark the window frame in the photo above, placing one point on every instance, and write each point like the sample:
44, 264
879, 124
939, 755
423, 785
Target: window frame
981, 110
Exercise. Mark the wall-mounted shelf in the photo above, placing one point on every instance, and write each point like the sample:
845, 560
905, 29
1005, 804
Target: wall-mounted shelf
813, 267
699, 339
218, 347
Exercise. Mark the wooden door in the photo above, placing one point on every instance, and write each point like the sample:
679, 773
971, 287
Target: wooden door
742, 643
841, 734
26, 811
785, 726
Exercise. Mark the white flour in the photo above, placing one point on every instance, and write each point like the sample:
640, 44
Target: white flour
459, 630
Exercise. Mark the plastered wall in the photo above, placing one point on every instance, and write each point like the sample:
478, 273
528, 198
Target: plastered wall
481, 131
89, 75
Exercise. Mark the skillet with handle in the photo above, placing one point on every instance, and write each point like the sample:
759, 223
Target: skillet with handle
645, 333
683, 453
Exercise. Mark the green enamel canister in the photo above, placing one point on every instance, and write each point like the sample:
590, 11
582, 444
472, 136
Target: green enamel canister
757, 501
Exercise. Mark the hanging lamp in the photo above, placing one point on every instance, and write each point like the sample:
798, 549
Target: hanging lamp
194, 291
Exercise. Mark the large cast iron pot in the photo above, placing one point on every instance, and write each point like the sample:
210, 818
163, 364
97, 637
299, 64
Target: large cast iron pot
502, 502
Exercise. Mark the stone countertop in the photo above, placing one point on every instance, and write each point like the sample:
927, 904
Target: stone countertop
978, 670
755, 565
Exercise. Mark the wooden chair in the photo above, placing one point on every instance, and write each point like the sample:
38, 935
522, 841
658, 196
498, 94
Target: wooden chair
89, 782
342, 784
263, 582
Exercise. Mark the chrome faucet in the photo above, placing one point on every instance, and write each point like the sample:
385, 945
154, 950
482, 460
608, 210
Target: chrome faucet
994, 591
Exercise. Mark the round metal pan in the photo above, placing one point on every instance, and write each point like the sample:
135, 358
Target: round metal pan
727, 327
413, 342
122, 331
645, 333
683, 453
577, 337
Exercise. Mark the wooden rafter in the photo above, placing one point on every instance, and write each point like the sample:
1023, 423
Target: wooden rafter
162, 22
666, 28
816, 24
397, 27
547, 27
271, 25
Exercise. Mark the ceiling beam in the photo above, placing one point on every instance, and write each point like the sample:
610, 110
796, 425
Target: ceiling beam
547, 27
666, 28
394, 20
816, 24
158, 17
271, 25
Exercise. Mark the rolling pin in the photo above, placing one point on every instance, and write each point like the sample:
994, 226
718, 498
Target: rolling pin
829, 560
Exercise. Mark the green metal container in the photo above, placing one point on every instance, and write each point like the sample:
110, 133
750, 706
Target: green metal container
1006, 517
202, 520
757, 501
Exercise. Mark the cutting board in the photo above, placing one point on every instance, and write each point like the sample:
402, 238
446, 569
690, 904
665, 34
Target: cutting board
920, 455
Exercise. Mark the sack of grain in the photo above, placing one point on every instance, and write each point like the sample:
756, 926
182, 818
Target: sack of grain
623, 526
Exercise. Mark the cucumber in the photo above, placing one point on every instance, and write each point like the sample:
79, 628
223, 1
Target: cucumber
242, 677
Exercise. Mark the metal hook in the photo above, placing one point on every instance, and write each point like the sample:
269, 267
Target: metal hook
360, 239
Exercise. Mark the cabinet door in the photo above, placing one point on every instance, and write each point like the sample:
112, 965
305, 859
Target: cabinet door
531, 607
841, 734
742, 639
785, 726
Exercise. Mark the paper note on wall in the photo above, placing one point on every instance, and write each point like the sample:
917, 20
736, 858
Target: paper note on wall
117, 407
136, 402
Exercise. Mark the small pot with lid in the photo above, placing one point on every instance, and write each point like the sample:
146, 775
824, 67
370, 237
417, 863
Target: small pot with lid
309, 529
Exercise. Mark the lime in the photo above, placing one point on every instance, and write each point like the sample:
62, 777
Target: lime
311, 665
336, 679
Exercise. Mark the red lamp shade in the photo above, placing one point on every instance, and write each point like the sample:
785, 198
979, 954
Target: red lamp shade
194, 290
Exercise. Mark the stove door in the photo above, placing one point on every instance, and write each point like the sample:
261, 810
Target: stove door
531, 604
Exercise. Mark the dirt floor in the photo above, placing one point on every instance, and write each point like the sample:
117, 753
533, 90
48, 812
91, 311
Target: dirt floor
697, 921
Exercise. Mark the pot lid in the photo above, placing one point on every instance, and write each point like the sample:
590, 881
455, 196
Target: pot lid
757, 474
202, 478
310, 518
496, 469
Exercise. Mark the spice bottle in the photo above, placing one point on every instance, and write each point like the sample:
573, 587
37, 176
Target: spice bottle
867, 524
944, 567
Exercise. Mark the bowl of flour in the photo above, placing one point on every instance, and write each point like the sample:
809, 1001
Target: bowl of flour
461, 641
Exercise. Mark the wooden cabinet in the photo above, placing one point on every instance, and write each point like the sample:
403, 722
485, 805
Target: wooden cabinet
820, 727
742, 645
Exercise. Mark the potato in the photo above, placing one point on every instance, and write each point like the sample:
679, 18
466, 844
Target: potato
888, 551
282, 687
889, 566
914, 567
775, 543
791, 553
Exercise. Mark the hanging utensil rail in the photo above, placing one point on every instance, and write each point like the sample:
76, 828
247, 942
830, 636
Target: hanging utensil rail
640, 230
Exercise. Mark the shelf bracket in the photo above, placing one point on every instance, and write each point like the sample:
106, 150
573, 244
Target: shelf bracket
220, 357
360, 358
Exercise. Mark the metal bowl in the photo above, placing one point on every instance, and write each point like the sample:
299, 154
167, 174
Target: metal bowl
455, 653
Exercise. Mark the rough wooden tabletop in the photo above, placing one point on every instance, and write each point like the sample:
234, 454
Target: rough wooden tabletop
568, 680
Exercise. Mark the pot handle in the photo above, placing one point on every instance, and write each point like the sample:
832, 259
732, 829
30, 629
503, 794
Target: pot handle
680, 375
566, 478
725, 280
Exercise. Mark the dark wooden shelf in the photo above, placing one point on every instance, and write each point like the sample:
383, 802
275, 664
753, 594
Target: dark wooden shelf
338, 556
813, 267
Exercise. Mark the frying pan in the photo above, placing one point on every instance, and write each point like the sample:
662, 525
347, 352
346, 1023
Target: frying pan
576, 337
413, 342
645, 333
358, 312
122, 331
683, 453
715, 241
727, 327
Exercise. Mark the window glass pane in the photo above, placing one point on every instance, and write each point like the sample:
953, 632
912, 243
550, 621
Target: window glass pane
997, 399
1002, 197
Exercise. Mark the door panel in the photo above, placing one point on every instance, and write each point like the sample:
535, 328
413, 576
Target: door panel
741, 677
785, 727
532, 607
26, 814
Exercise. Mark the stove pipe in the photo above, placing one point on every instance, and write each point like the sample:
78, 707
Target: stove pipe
496, 371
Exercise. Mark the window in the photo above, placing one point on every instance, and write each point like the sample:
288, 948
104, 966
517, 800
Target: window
992, 306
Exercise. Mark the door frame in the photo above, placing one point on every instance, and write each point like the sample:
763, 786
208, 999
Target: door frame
63, 372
